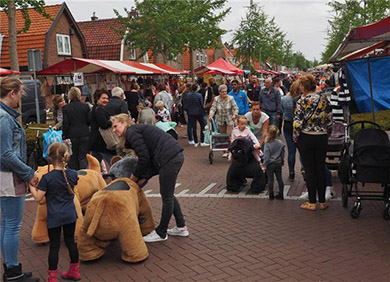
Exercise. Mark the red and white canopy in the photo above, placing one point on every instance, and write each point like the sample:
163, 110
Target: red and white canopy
7, 71
220, 66
92, 66
366, 36
163, 69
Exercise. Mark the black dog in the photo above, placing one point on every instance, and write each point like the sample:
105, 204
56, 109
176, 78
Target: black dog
244, 165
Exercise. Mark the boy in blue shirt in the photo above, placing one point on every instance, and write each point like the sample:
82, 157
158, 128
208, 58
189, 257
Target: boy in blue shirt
240, 98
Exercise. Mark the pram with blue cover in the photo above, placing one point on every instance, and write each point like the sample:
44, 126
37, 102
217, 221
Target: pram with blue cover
218, 142
366, 159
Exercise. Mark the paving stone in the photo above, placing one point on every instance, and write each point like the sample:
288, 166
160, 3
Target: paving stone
241, 239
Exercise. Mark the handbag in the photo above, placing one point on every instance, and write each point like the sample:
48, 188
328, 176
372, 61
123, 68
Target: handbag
110, 138
50, 137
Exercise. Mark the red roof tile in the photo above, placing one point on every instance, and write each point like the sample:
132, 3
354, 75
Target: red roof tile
102, 41
34, 38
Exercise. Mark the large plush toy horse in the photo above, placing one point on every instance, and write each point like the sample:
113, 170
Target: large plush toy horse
89, 182
244, 165
119, 211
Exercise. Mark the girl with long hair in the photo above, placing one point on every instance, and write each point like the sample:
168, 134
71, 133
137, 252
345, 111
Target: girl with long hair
58, 188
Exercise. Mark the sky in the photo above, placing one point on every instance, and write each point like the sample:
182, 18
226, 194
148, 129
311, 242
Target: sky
303, 21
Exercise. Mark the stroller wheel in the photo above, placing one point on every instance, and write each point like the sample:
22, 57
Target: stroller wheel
344, 195
355, 211
386, 212
211, 157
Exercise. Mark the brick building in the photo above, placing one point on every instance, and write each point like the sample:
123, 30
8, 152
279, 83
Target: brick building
58, 38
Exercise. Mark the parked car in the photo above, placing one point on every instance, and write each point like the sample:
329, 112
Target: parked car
29, 113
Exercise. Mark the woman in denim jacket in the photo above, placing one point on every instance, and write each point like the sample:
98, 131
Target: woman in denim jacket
14, 174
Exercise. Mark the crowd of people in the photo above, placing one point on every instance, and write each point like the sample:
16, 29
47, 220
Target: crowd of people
293, 106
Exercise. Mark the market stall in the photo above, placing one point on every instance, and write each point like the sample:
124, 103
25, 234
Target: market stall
7, 72
220, 66
366, 56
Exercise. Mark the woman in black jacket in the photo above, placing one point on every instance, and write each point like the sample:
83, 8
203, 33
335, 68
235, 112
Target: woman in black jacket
132, 99
100, 118
76, 128
158, 153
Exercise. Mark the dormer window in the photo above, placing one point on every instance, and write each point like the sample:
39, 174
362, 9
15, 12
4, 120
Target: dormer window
63, 44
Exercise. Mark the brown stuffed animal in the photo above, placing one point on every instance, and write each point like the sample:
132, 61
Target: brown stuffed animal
121, 210
90, 181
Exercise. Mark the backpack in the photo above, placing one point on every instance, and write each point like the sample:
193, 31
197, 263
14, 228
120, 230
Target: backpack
50, 137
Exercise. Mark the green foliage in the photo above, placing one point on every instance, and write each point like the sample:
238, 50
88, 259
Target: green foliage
382, 118
300, 61
31, 135
348, 14
260, 38
24, 5
167, 27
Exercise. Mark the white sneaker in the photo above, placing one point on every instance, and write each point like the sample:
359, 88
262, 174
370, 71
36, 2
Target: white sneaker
329, 193
204, 144
196, 145
179, 231
154, 237
304, 196
191, 142
225, 155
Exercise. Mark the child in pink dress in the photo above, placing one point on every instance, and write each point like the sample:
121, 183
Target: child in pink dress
242, 131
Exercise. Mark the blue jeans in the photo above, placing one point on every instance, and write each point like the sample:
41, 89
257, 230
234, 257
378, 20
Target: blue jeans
12, 209
291, 147
272, 119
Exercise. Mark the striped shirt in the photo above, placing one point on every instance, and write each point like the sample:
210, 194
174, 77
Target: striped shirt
344, 94
337, 109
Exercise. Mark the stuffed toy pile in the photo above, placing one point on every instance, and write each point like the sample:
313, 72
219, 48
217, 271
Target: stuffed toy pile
119, 211
244, 165
89, 182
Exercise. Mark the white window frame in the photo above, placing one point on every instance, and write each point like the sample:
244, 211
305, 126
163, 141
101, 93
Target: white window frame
132, 53
146, 58
63, 40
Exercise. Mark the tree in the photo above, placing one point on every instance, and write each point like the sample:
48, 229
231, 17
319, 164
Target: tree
349, 14
169, 27
10, 6
259, 38
253, 37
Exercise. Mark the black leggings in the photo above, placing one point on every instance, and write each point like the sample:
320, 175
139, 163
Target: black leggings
55, 241
313, 152
167, 177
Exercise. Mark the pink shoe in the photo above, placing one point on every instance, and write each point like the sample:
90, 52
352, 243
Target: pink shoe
73, 273
53, 276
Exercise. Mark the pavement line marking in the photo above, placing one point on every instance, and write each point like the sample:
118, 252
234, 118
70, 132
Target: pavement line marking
285, 190
177, 185
234, 196
208, 188
244, 190
222, 193
182, 193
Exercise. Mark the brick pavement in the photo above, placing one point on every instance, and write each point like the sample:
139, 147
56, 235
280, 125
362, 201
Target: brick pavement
242, 239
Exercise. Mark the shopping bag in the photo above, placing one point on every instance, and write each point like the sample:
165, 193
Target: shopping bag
50, 137
110, 138
206, 134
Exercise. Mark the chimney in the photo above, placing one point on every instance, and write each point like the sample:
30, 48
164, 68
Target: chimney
133, 12
94, 17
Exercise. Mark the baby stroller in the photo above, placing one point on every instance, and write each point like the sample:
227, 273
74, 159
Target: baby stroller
366, 159
336, 144
218, 142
